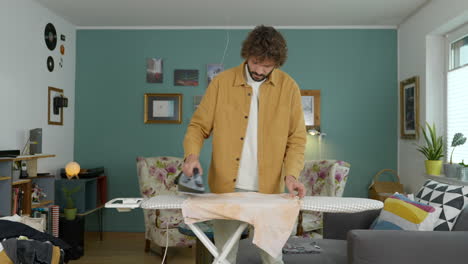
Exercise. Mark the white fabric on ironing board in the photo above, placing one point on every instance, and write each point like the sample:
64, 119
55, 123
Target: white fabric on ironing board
272, 215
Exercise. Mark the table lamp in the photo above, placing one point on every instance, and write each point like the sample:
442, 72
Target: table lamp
72, 169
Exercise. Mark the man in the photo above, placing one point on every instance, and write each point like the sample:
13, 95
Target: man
254, 113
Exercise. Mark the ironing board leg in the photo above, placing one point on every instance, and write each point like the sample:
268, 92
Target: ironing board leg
204, 239
230, 243
220, 258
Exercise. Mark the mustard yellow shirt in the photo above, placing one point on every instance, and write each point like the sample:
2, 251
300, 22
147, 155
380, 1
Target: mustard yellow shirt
223, 113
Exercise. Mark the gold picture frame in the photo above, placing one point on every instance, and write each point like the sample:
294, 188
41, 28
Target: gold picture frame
162, 108
53, 118
311, 108
409, 108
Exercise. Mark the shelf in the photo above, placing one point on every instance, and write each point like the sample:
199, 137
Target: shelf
44, 176
40, 177
41, 204
446, 180
28, 157
20, 182
9, 181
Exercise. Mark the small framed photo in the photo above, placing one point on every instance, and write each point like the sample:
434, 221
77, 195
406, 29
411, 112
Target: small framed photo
212, 70
54, 111
409, 108
163, 108
311, 108
154, 70
186, 77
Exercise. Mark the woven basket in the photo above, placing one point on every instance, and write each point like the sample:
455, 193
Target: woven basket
381, 190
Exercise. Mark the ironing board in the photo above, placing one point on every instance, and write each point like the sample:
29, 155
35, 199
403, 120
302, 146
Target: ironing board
309, 203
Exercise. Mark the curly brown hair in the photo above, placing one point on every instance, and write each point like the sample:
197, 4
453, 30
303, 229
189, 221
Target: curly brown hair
265, 43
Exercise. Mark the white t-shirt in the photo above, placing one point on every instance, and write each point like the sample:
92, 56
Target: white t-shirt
247, 177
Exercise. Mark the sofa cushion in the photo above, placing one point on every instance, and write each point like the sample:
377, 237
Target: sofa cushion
462, 221
333, 252
451, 198
337, 225
401, 213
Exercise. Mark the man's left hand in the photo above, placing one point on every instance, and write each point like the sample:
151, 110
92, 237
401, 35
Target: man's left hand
294, 186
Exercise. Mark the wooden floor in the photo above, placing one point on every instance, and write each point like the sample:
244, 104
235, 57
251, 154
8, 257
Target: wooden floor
128, 248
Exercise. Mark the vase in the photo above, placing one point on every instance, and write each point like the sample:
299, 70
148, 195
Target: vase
462, 173
433, 167
70, 213
451, 170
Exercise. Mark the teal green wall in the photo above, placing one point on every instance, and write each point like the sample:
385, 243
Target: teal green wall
356, 71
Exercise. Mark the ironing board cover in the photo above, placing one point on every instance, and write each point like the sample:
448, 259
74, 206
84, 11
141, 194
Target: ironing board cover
309, 203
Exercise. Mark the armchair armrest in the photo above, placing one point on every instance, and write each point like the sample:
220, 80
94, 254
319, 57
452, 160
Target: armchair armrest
337, 225
395, 246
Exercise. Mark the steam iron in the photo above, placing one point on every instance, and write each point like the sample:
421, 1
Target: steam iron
190, 185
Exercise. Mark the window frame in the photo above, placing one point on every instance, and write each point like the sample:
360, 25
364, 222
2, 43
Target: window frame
451, 37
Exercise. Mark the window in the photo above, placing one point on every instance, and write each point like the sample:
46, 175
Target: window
459, 53
457, 93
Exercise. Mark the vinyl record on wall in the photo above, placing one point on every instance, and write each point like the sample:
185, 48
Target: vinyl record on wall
50, 36
50, 63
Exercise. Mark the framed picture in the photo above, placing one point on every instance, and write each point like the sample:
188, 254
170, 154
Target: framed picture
212, 70
54, 112
409, 108
196, 101
186, 77
163, 108
311, 108
154, 70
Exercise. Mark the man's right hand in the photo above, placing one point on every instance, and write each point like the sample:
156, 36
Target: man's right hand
191, 162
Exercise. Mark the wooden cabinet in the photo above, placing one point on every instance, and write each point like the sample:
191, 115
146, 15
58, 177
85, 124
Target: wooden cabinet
22, 199
9, 184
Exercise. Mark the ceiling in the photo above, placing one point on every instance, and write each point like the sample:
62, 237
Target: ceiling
234, 13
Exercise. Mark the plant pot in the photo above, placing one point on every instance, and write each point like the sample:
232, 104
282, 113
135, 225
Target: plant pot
70, 213
433, 167
462, 173
451, 170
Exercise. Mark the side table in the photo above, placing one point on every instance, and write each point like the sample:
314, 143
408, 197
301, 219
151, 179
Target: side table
202, 255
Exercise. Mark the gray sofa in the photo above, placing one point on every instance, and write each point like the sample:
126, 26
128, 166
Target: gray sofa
348, 240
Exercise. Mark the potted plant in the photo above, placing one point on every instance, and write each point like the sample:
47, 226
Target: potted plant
433, 150
70, 209
463, 171
450, 169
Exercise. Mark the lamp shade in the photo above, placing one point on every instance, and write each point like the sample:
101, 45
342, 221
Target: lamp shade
72, 169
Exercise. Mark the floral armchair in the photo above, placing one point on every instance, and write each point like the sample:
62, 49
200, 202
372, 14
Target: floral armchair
320, 178
156, 176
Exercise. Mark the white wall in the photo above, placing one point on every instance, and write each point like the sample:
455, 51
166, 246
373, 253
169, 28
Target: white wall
24, 80
421, 52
